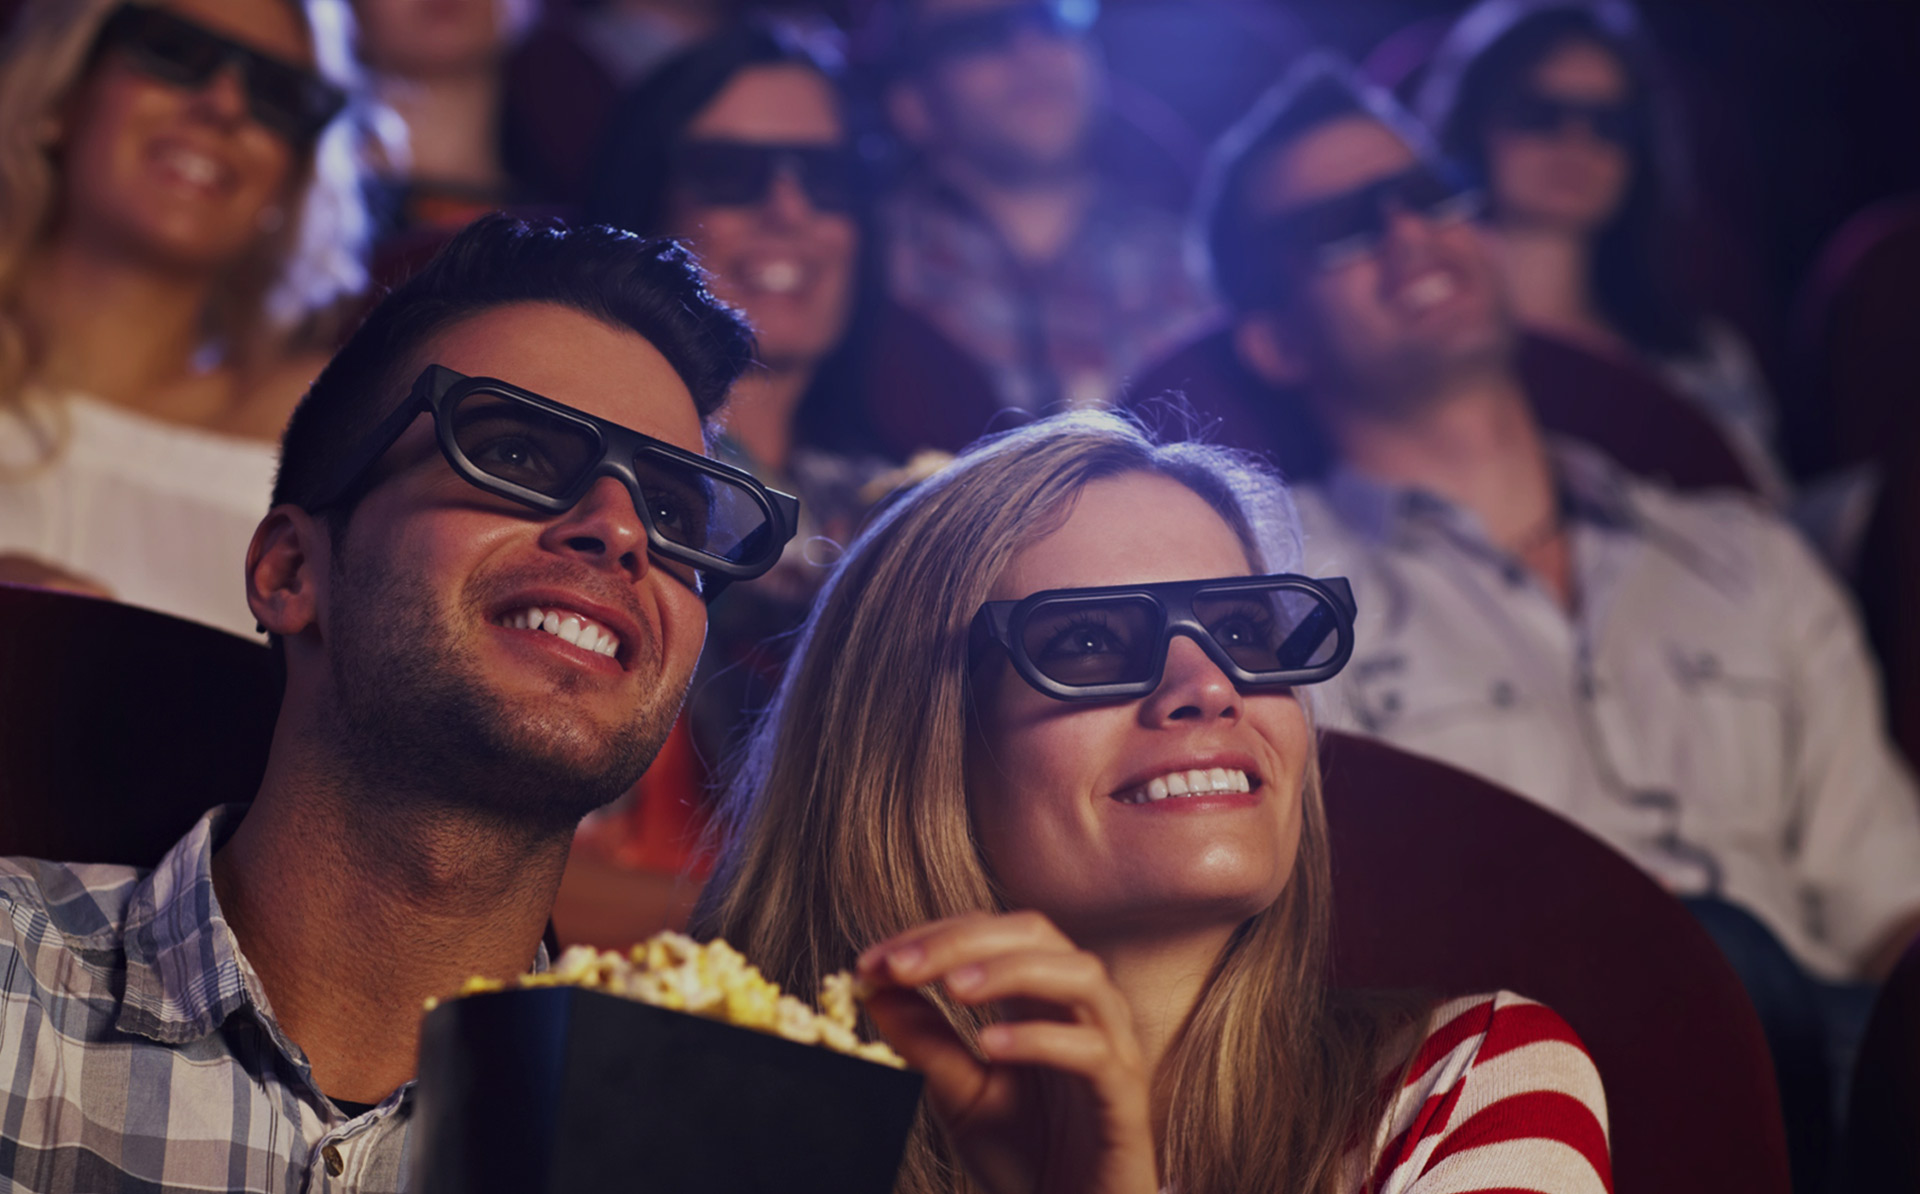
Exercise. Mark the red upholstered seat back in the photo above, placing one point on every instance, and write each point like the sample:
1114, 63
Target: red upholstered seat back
1624, 410
120, 726
1447, 883
1883, 1114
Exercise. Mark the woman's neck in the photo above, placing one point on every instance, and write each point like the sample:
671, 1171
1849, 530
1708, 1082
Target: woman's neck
1162, 980
1037, 217
761, 411
1549, 273
121, 331
453, 127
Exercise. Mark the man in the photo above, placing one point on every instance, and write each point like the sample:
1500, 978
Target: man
1004, 237
1676, 674
484, 638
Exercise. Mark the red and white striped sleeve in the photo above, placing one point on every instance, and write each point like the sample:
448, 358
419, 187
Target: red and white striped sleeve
1501, 1097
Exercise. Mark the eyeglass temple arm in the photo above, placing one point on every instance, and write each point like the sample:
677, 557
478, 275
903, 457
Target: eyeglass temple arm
376, 446
1313, 630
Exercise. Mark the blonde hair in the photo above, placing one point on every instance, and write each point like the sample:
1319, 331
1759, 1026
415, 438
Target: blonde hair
279, 292
848, 821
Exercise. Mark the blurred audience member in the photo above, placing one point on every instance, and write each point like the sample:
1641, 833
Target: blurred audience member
1557, 106
438, 66
742, 146
1675, 673
178, 204
1002, 234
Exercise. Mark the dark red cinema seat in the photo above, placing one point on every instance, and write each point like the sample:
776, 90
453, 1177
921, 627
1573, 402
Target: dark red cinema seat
1624, 410
1882, 1149
1446, 883
120, 726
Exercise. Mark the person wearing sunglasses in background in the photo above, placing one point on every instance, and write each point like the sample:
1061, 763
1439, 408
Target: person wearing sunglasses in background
180, 212
1675, 673
1003, 234
494, 534
1558, 105
742, 146
1043, 769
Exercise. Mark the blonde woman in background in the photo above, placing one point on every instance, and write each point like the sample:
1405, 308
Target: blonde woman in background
1073, 839
179, 205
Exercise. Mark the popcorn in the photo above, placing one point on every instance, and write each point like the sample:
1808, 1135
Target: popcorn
714, 980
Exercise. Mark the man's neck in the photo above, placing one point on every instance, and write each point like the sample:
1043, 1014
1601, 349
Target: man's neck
1476, 445
453, 127
118, 330
1550, 278
355, 907
1037, 216
761, 409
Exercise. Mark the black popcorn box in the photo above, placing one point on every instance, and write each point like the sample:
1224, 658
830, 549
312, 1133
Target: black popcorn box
551, 1089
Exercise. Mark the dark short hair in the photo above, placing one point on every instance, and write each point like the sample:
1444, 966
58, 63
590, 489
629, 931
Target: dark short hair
633, 173
649, 285
1486, 59
1318, 90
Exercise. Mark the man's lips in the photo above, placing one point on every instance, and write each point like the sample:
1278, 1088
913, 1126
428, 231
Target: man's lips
589, 626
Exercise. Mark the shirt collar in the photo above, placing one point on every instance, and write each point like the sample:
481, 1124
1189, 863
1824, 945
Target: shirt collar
184, 971
1593, 489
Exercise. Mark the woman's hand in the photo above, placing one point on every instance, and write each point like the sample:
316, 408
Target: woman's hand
1055, 1101
19, 569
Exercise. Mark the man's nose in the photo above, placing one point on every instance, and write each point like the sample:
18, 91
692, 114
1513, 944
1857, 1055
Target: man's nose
223, 97
603, 528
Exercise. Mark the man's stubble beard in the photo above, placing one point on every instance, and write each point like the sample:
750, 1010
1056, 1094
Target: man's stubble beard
416, 721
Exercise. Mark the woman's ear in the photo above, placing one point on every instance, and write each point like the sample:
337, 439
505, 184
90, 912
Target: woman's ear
1268, 345
287, 564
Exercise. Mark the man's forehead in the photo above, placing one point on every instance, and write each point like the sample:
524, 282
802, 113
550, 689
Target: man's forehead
571, 357
1342, 155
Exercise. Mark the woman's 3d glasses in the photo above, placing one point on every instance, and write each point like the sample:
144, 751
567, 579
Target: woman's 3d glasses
994, 30
711, 518
1530, 112
1110, 643
717, 173
290, 100
1345, 229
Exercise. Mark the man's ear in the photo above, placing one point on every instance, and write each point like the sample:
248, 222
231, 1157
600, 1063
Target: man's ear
1267, 344
907, 111
287, 566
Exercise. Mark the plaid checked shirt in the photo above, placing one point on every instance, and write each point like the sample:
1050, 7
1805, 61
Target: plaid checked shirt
1067, 333
140, 1054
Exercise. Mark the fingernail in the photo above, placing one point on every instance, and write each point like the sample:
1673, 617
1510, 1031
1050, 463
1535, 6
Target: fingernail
905, 959
966, 978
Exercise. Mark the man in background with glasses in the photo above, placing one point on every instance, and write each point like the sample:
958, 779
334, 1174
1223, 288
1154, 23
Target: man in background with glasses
1003, 235
1675, 673
493, 536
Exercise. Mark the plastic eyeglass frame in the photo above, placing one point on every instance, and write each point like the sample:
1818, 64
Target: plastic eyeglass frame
438, 387
1004, 623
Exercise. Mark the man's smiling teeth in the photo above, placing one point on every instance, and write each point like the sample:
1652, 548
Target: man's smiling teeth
584, 633
1198, 782
196, 168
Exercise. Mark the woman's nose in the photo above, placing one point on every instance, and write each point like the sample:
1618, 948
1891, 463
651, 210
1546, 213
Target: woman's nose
1192, 687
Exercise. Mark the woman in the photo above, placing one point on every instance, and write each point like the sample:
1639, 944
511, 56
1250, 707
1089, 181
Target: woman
177, 209
1100, 925
1557, 106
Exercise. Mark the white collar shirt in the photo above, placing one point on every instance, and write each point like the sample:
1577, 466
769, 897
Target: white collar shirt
1707, 707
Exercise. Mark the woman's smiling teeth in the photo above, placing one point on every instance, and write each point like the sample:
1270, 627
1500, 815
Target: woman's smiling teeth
583, 633
1201, 781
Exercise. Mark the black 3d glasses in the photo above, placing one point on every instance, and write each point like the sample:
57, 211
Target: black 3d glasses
1109, 643
710, 518
290, 100
717, 173
1531, 112
994, 30
1344, 229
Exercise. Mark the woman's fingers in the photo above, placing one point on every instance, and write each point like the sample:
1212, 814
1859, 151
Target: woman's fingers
956, 1079
929, 952
1074, 981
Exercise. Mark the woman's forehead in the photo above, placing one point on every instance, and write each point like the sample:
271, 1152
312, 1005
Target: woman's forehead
1135, 528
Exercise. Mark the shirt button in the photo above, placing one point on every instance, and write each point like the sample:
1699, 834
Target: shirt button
335, 1166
